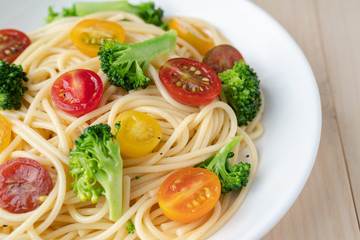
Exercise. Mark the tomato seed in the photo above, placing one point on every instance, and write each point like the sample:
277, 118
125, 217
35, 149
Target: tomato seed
4, 37
207, 192
202, 198
42, 199
197, 72
192, 69
178, 84
195, 203
7, 52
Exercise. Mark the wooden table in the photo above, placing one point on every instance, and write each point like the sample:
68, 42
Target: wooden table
328, 31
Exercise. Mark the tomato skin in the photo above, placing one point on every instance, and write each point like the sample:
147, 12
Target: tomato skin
12, 38
5, 133
22, 182
179, 70
89, 34
139, 133
222, 57
189, 194
77, 92
192, 34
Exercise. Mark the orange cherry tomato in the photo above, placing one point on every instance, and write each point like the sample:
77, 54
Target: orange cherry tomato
192, 34
5, 133
89, 34
189, 194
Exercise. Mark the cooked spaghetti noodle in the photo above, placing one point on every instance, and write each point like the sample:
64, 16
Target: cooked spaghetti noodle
44, 133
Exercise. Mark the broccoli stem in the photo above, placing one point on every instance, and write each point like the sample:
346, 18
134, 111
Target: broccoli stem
85, 8
111, 178
147, 50
220, 157
112, 184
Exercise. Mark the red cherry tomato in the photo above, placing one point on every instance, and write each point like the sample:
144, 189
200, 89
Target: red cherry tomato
23, 185
189, 194
222, 57
12, 43
77, 92
189, 81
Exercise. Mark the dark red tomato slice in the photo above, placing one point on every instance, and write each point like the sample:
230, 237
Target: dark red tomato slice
222, 57
24, 185
77, 92
189, 81
12, 43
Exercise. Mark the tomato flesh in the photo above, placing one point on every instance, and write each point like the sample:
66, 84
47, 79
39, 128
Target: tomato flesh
23, 185
77, 92
189, 194
139, 133
89, 35
192, 34
190, 82
12, 44
5, 133
222, 57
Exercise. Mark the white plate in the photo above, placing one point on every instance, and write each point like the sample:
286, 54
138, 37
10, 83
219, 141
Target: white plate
292, 118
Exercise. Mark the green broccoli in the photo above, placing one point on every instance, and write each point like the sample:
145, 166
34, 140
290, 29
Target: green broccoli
12, 88
145, 11
66, 12
97, 167
124, 63
231, 177
242, 90
130, 226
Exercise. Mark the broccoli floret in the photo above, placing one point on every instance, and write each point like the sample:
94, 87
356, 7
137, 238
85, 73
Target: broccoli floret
66, 12
242, 90
130, 226
145, 11
97, 167
12, 88
231, 177
124, 63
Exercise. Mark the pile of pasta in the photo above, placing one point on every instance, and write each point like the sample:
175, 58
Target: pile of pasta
44, 133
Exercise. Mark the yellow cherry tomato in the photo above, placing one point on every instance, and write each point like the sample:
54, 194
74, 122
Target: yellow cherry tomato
89, 34
192, 34
5, 133
139, 133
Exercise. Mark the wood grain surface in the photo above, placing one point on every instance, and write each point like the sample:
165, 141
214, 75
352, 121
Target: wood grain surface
328, 31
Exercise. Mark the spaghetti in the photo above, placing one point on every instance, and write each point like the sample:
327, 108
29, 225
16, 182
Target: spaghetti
44, 133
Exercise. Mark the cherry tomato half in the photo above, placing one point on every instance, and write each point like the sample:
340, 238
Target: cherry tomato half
189, 81
222, 57
192, 34
189, 194
139, 133
89, 34
77, 92
5, 133
23, 185
12, 43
